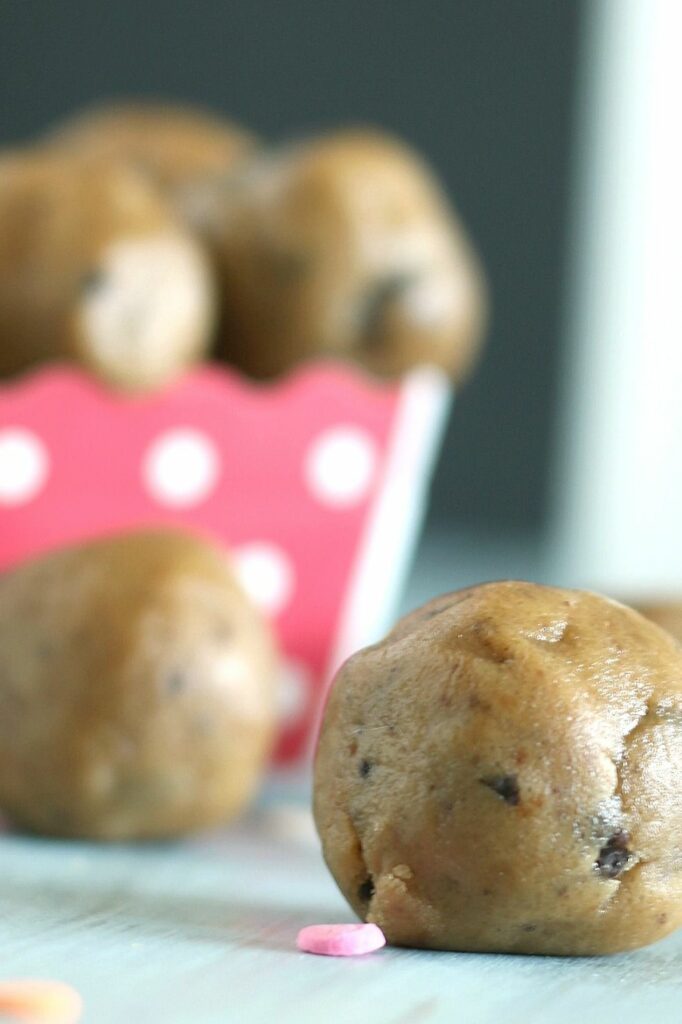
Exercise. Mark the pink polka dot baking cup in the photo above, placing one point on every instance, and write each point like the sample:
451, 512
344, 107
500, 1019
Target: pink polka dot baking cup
313, 483
340, 939
40, 1002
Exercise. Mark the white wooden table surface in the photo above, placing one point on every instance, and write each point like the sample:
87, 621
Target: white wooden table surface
204, 932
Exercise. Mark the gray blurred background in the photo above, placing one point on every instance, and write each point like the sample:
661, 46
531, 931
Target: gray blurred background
485, 88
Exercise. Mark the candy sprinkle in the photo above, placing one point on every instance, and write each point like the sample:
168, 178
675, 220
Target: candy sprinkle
40, 1002
340, 939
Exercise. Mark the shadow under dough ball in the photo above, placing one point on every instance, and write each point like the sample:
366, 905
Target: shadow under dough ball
95, 268
504, 773
136, 689
343, 246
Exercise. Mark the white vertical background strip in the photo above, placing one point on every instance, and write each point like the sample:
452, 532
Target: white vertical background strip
619, 468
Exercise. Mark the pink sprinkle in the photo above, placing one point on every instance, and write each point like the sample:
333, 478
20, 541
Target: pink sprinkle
340, 939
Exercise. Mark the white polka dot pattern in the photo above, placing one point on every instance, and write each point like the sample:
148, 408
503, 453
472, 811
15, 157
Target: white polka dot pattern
24, 466
267, 575
340, 466
181, 468
297, 480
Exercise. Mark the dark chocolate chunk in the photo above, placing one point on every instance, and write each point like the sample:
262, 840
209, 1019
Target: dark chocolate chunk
92, 281
365, 768
380, 295
614, 856
506, 786
366, 890
176, 681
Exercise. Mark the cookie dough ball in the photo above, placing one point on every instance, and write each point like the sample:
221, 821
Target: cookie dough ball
176, 146
503, 773
665, 613
344, 246
95, 268
136, 689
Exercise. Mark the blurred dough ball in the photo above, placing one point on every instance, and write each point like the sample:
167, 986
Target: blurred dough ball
343, 246
136, 689
96, 268
175, 145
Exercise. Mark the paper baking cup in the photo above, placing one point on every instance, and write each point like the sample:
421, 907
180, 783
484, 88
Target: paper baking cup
316, 484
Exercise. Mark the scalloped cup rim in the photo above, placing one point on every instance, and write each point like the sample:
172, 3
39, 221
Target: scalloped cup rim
212, 375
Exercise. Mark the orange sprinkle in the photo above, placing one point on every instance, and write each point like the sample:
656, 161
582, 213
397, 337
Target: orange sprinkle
40, 1002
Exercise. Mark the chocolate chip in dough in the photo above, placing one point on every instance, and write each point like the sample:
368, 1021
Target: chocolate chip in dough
614, 856
506, 786
366, 890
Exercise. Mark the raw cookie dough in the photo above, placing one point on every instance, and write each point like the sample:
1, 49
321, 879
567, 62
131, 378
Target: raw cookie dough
177, 146
504, 773
343, 246
136, 689
96, 268
665, 613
